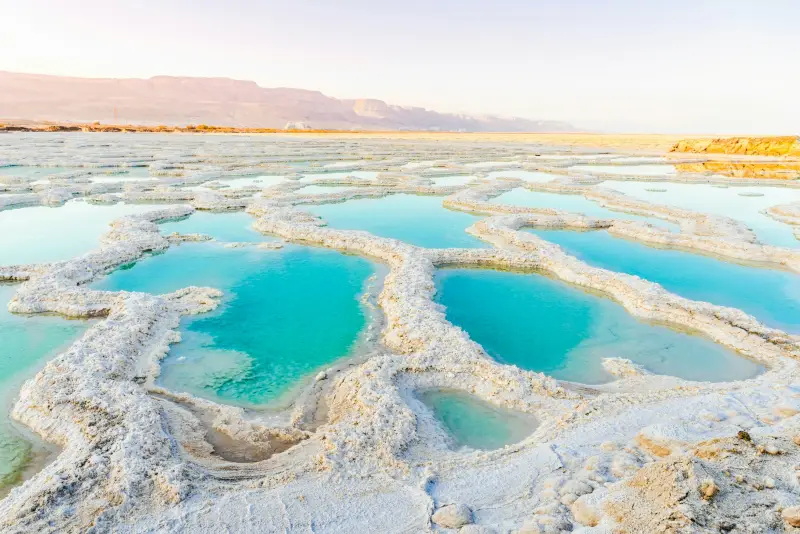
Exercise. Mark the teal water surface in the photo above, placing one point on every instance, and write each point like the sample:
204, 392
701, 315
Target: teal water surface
540, 324
728, 202
28, 341
231, 227
475, 423
572, 203
772, 296
41, 234
285, 314
418, 220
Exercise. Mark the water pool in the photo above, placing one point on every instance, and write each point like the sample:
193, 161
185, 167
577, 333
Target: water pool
418, 220
540, 324
705, 198
474, 423
286, 313
573, 203
773, 296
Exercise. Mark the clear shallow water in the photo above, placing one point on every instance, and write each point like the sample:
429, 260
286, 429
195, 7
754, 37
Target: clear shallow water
286, 313
540, 324
572, 203
27, 343
41, 234
474, 423
654, 169
231, 227
418, 220
39, 172
706, 198
772, 296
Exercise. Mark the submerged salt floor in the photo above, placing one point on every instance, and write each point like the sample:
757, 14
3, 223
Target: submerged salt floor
41, 234
539, 324
573, 203
474, 423
286, 313
26, 343
733, 202
415, 219
772, 296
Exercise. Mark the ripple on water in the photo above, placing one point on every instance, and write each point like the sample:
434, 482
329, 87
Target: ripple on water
474, 423
540, 324
285, 314
418, 220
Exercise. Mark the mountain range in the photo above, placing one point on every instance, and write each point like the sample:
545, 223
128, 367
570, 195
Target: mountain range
173, 100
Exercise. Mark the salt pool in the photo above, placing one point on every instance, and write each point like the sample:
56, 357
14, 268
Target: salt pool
572, 203
474, 423
773, 296
729, 202
28, 341
415, 219
231, 227
286, 313
540, 324
41, 234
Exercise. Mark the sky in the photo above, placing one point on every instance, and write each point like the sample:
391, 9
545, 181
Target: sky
677, 66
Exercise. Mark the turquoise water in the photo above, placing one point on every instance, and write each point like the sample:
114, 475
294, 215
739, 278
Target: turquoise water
418, 220
39, 172
655, 169
27, 343
474, 423
536, 323
232, 227
286, 313
574, 204
42, 234
772, 296
705, 198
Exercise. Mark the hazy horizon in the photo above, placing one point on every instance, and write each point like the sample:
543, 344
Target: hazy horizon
708, 66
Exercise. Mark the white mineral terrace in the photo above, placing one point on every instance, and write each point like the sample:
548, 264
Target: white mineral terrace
356, 452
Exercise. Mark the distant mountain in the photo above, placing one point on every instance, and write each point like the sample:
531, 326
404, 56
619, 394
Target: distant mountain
222, 101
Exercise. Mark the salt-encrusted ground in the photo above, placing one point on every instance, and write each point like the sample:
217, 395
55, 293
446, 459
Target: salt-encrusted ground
357, 452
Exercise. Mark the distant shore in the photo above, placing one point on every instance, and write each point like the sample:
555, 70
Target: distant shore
780, 146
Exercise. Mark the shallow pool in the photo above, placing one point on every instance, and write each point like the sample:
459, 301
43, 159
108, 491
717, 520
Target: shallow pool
540, 324
28, 341
573, 203
474, 423
773, 296
41, 234
528, 176
729, 202
415, 219
231, 227
286, 313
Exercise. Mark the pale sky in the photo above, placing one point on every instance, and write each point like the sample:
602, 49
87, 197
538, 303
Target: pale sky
686, 66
